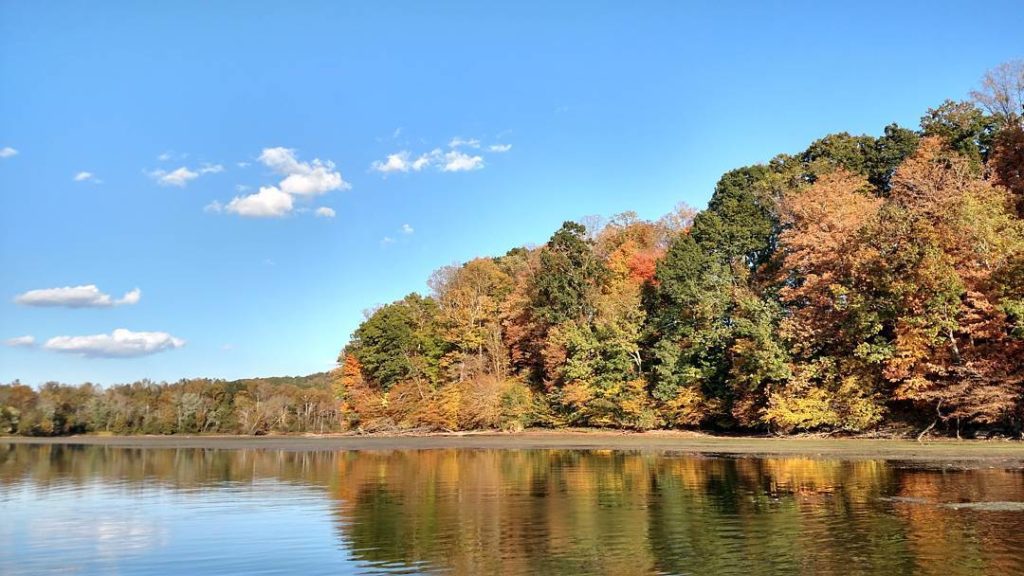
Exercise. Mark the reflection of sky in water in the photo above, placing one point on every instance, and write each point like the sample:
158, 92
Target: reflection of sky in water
264, 528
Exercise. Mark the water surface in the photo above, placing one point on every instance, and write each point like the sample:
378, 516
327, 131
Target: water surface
105, 510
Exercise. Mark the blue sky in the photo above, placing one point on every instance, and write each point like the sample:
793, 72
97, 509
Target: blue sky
289, 107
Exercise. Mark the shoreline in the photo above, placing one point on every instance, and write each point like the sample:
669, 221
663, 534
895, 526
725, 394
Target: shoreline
1006, 451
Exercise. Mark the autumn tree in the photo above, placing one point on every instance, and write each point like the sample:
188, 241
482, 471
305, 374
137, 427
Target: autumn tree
954, 344
827, 320
469, 299
1007, 163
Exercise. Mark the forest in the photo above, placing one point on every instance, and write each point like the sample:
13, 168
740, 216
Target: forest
864, 283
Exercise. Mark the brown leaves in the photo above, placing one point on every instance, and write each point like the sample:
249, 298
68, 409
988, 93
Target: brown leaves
932, 178
824, 224
1007, 164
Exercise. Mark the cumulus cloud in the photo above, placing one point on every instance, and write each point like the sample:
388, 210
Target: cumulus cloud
303, 178
131, 297
86, 296
319, 181
7, 152
299, 180
406, 229
387, 241
180, 177
121, 343
211, 169
453, 160
397, 162
325, 212
425, 160
456, 161
280, 159
21, 341
269, 202
404, 161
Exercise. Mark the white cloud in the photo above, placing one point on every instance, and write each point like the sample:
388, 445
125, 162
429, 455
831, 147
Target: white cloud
456, 161
303, 178
7, 152
183, 175
280, 159
319, 181
325, 212
21, 341
425, 160
300, 179
397, 162
387, 241
269, 202
121, 343
242, 164
404, 162
86, 177
164, 157
406, 229
179, 177
130, 297
86, 296
457, 142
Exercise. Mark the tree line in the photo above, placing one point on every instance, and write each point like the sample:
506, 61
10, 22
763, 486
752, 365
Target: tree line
864, 282
193, 406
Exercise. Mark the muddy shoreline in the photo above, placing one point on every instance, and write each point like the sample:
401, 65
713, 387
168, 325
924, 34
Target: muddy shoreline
992, 451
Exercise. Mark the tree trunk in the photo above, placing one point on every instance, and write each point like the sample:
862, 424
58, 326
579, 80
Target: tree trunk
938, 408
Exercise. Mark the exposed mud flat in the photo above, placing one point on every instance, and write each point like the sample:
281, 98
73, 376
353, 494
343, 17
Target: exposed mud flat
946, 452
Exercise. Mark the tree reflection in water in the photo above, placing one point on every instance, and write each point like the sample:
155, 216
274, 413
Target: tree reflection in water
600, 512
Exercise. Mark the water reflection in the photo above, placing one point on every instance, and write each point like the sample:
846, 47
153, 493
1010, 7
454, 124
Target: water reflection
498, 512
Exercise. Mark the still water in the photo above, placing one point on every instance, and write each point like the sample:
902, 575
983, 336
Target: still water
102, 510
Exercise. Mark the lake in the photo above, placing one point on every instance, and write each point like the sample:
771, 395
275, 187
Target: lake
105, 510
